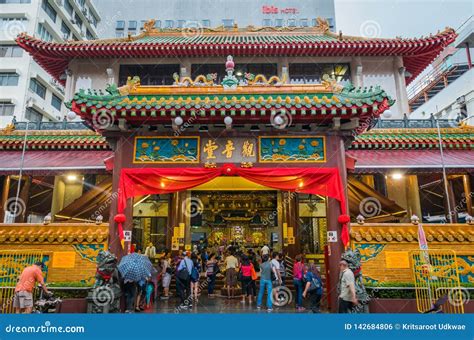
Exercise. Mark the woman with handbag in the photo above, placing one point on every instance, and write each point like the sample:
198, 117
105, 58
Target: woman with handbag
246, 279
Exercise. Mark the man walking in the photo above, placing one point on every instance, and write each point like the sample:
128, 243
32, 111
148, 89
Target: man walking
23, 299
183, 280
347, 295
231, 265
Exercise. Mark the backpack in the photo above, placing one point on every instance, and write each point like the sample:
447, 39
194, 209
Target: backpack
194, 274
315, 284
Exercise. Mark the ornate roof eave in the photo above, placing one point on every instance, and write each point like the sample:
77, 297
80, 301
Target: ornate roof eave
316, 41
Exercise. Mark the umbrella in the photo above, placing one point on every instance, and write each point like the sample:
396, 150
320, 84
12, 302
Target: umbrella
135, 267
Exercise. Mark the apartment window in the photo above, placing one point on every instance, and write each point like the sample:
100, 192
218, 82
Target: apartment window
65, 30
266, 22
291, 22
81, 2
278, 22
119, 34
8, 79
15, 1
68, 7
78, 20
10, 51
169, 23
50, 11
304, 22
228, 23
181, 23
7, 109
314, 22
33, 115
155, 74
89, 35
330, 22
56, 102
8, 21
132, 25
37, 88
43, 33
157, 23
206, 23
142, 24
120, 25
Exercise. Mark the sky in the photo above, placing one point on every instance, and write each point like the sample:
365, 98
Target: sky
405, 18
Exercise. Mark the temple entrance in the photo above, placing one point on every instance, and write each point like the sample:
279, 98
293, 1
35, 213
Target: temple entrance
245, 219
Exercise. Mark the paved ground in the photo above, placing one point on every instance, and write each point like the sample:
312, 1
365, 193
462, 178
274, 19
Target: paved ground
218, 305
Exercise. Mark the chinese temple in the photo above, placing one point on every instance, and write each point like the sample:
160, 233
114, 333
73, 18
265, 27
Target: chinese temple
253, 136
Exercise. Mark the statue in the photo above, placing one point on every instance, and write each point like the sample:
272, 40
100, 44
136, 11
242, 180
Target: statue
105, 294
353, 258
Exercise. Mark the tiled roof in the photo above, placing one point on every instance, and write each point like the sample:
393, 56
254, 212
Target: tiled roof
271, 42
52, 140
53, 233
453, 138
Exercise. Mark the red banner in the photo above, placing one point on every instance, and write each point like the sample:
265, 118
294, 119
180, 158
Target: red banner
317, 181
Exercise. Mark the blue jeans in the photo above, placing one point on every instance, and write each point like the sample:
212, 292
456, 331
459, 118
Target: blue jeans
299, 292
268, 285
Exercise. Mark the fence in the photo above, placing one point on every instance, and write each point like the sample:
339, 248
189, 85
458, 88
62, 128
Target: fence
11, 265
436, 278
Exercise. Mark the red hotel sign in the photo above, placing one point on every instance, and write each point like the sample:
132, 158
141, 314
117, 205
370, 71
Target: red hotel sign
275, 10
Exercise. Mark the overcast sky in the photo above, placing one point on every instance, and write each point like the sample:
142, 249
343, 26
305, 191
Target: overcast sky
390, 18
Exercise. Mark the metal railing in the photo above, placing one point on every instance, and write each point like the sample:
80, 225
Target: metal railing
415, 123
61, 125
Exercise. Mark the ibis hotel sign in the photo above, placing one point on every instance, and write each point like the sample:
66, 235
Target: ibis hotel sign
269, 9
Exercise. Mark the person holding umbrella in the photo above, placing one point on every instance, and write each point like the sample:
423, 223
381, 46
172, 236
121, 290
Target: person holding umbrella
133, 268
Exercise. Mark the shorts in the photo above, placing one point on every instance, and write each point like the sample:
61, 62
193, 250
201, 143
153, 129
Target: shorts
230, 277
166, 280
23, 299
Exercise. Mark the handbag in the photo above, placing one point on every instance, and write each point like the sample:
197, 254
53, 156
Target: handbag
183, 274
253, 273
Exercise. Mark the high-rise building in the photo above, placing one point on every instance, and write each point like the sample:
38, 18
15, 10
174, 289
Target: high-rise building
119, 20
27, 91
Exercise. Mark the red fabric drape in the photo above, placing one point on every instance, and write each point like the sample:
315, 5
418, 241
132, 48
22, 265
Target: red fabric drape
147, 181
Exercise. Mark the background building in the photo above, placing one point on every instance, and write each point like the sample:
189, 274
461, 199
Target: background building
119, 19
27, 91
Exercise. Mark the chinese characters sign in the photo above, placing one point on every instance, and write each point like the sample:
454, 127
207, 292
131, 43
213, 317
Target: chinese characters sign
192, 149
292, 149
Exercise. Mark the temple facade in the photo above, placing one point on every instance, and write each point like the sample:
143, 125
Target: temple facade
251, 136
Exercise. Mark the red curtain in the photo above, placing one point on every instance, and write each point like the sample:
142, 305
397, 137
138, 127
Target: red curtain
147, 181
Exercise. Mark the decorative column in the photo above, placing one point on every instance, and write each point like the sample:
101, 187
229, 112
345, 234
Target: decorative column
467, 193
401, 87
5, 194
291, 202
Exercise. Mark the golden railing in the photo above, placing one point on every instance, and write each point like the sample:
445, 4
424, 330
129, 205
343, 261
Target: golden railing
12, 262
436, 279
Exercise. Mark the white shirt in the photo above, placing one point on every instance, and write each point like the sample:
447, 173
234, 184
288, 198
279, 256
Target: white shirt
265, 250
276, 264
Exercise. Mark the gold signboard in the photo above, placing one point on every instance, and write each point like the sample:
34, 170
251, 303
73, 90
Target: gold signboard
64, 259
397, 259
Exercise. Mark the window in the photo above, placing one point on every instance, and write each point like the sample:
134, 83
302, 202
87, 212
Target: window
155, 74
266, 22
65, 30
94, 19
78, 20
50, 11
10, 51
206, 23
278, 22
37, 88
81, 2
8, 79
181, 23
15, 1
7, 109
33, 115
168, 23
304, 22
228, 23
330, 22
68, 7
142, 24
132, 25
119, 34
89, 35
157, 23
314, 22
313, 73
267, 70
291, 22
120, 25
20, 22
56, 102
43, 33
